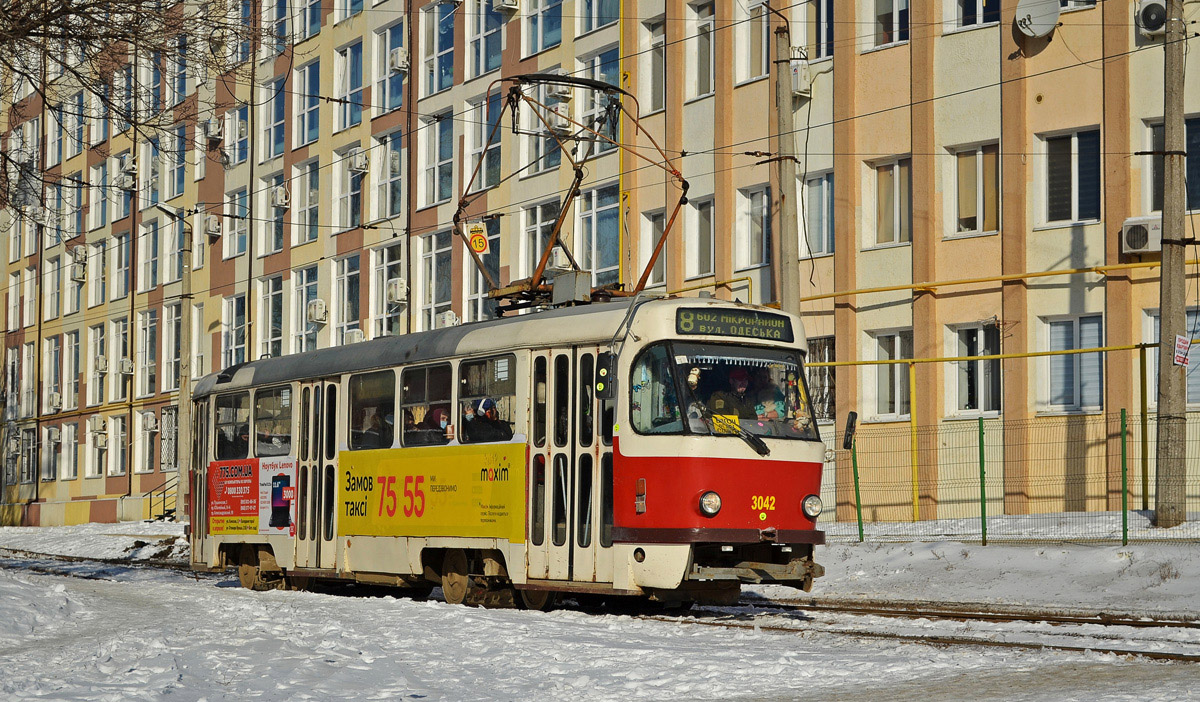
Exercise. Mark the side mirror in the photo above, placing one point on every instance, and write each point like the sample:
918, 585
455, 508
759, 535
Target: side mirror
851, 425
606, 376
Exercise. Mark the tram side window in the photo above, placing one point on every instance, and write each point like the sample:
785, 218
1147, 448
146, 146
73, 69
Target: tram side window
425, 400
653, 407
587, 401
233, 426
487, 398
372, 410
539, 401
273, 422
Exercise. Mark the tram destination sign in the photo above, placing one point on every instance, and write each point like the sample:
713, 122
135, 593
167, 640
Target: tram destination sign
749, 324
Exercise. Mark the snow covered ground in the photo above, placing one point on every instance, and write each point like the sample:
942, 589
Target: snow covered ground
124, 633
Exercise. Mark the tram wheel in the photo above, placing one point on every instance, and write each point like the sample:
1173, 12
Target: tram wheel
251, 575
455, 580
536, 600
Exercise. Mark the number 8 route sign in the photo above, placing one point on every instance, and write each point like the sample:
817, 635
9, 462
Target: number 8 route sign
478, 239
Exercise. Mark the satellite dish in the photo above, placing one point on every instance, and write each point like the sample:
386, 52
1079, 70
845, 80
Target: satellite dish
1037, 18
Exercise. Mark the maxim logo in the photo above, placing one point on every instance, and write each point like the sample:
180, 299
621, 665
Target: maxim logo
493, 475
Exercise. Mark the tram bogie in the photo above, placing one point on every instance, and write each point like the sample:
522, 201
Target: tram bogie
664, 449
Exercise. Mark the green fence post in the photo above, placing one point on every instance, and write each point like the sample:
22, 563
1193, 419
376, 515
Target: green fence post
982, 486
857, 498
1124, 485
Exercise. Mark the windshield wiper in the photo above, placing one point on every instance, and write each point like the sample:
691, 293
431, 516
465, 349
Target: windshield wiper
755, 442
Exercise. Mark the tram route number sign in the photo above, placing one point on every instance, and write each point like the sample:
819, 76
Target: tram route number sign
477, 236
749, 324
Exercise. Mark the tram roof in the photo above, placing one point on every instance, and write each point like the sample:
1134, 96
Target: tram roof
564, 326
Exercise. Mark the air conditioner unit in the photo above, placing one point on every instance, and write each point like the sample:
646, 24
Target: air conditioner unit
212, 225
316, 312
559, 122
125, 366
214, 129
127, 164
280, 197
101, 364
78, 273
397, 291
79, 254
801, 78
14, 445
125, 181
510, 5
54, 435
562, 93
1141, 235
96, 425
1151, 18
445, 319
100, 440
54, 401
359, 161
352, 336
398, 60
558, 260
149, 422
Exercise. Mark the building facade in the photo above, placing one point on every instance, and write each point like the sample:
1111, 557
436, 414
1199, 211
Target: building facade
935, 143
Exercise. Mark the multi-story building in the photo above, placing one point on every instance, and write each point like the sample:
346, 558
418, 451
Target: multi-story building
935, 143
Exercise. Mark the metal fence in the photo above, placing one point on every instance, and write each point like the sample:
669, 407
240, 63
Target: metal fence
1077, 478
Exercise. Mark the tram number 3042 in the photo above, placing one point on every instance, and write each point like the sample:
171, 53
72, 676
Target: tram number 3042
762, 502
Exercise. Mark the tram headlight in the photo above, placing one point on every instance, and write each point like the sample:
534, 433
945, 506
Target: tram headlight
710, 504
811, 506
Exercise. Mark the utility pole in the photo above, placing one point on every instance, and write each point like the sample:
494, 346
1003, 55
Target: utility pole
183, 415
1169, 507
789, 218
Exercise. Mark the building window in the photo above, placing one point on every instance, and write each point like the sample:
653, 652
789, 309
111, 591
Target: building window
437, 153
485, 114
350, 85
29, 282
143, 441
656, 78
891, 21
97, 364
893, 202
271, 314
1191, 168
308, 103
891, 379
821, 387
203, 341
386, 317
542, 148
599, 234
1072, 177
276, 21
818, 215
51, 458
435, 274
120, 264
479, 305
699, 253
97, 267
174, 238
605, 67
346, 298
304, 338
273, 117
349, 184
753, 234
177, 71
978, 183
307, 204
820, 29
97, 453
123, 352
390, 85
177, 163
74, 125
147, 360
1076, 4
978, 381
1076, 381
28, 389
543, 25
701, 41
118, 456
71, 370
52, 272
172, 335
389, 201
599, 13
29, 451
758, 44
272, 228
483, 37
653, 224
311, 17
539, 222
237, 132
233, 331
152, 156
52, 371
54, 127
437, 43
348, 8
14, 301
976, 12
1192, 329
69, 448
237, 223
148, 253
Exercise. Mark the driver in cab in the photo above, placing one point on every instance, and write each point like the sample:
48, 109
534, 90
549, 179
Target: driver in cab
736, 400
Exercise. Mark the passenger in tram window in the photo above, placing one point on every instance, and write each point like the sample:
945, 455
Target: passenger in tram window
736, 400
241, 443
770, 397
482, 423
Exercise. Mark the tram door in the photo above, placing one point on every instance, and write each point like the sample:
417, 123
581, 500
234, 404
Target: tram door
316, 524
202, 544
592, 480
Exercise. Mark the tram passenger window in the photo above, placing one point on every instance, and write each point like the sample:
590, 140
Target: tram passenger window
425, 405
330, 440
587, 400
304, 418
608, 417
606, 500
538, 528
273, 422
562, 401
539, 401
653, 407
233, 426
302, 503
372, 410
583, 510
327, 511
487, 397
560, 499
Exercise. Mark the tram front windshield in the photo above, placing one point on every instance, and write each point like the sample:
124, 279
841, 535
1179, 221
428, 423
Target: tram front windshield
713, 389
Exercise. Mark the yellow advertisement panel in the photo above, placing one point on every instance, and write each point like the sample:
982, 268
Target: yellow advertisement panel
433, 491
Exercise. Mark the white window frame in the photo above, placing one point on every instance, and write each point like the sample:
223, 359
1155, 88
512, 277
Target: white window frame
901, 23
271, 323
434, 246
147, 356
389, 84
900, 233
754, 223
588, 233
1046, 386
536, 13
896, 374
149, 247
118, 446
306, 203
983, 371
702, 72
389, 175
304, 291
97, 273
52, 282
538, 223
307, 107
1043, 189
820, 29
979, 11
434, 163
387, 262
346, 314
118, 335
237, 224
273, 115
348, 193
592, 15
480, 127
480, 35
233, 351
68, 451
1150, 334
655, 31
71, 369
477, 303
348, 94
653, 224
172, 331
436, 59
818, 238
977, 153
97, 348
696, 265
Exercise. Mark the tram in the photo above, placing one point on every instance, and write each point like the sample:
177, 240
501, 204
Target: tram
660, 447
